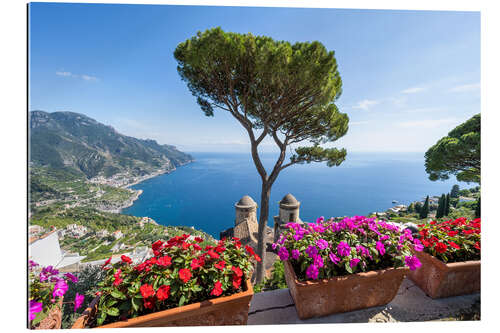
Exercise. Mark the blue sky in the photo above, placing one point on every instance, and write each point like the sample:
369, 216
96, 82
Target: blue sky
409, 77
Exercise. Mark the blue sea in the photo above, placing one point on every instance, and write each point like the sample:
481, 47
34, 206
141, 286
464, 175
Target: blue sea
202, 194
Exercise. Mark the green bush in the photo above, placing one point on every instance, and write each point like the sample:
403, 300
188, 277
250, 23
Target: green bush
276, 281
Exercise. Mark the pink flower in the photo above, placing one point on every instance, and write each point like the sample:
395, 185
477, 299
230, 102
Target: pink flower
417, 245
71, 277
321, 244
78, 300
60, 288
380, 247
354, 262
412, 262
343, 249
318, 261
334, 258
283, 253
295, 254
35, 307
312, 272
311, 251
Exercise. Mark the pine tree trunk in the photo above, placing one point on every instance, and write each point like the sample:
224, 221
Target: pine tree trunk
263, 216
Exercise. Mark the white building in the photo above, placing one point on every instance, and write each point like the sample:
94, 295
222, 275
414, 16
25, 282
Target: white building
117, 234
46, 251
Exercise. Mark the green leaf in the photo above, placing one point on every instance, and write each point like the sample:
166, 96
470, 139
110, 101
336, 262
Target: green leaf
113, 312
110, 302
136, 303
347, 267
182, 300
118, 294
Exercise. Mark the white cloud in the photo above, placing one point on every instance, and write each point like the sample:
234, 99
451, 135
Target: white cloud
63, 73
413, 90
430, 123
88, 77
365, 104
83, 76
465, 87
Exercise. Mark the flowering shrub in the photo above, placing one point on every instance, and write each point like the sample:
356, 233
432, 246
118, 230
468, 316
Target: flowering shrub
180, 272
452, 240
46, 287
327, 248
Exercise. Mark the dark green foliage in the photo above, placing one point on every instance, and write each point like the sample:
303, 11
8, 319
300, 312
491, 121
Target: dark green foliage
457, 154
447, 205
88, 278
424, 211
275, 281
418, 207
92, 149
455, 191
441, 207
411, 208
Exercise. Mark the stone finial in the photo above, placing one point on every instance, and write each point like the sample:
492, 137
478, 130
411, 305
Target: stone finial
246, 202
289, 202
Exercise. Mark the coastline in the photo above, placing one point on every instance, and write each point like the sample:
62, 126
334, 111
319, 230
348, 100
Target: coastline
130, 202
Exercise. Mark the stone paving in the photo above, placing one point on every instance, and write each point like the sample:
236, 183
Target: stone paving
410, 304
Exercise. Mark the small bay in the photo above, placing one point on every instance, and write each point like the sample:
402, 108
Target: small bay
202, 194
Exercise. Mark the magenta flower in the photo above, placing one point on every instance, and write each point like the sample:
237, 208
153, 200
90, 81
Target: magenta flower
312, 251
283, 253
320, 219
60, 288
334, 258
298, 236
35, 307
318, 261
380, 247
295, 254
312, 272
354, 262
43, 277
274, 245
383, 238
71, 277
417, 245
413, 262
343, 249
321, 244
78, 300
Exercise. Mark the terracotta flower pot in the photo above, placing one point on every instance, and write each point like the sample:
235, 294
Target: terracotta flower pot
439, 280
53, 319
343, 293
227, 310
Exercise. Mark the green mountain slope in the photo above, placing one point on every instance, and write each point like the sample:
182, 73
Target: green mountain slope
73, 141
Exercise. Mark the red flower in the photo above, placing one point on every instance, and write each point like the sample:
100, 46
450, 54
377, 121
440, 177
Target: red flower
237, 243
220, 249
236, 281
453, 233
184, 274
249, 250
433, 222
165, 261
256, 256
147, 290
157, 245
217, 291
163, 292
208, 247
198, 239
237, 271
185, 245
197, 263
213, 255
441, 247
452, 244
468, 232
426, 243
477, 245
126, 259
148, 303
117, 281
220, 265
106, 263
